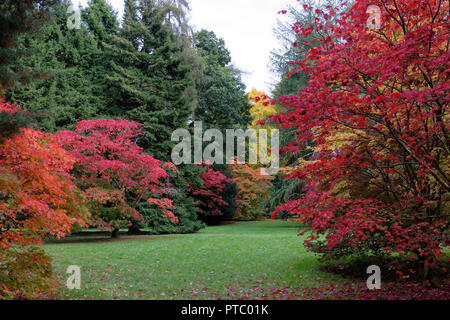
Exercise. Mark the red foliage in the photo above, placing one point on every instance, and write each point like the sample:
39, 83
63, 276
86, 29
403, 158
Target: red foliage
209, 196
114, 170
11, 108
386, 92
37, 196
37, 199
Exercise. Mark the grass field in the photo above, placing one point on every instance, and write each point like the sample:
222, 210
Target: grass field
242, 260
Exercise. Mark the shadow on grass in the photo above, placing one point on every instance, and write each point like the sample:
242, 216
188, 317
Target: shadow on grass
392, 269
90, 236
100, 236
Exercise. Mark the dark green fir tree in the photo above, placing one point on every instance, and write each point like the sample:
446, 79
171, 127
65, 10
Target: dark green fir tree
149, 76
67, 92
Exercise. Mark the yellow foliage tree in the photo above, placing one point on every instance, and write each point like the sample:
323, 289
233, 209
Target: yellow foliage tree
260, 111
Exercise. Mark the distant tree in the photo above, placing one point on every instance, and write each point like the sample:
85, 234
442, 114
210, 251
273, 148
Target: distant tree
294, 45
17, 17
176, 16
101, 20
252, 188
221, 94
209, 195
262, 108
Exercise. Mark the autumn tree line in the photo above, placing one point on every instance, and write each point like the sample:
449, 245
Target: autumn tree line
88, 113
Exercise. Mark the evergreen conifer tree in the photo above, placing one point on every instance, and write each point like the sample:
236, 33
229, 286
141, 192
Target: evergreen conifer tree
149, 76
67, 92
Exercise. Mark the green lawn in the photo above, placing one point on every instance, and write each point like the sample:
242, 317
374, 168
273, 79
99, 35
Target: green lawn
241, 260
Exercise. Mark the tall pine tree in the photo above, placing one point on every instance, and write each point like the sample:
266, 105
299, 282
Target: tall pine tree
150, 82
223, 102
149, 76
67, 93
18, 17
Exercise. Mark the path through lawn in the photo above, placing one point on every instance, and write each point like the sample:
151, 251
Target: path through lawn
242, 260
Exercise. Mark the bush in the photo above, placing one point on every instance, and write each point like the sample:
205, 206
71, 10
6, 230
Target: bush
185, 207
25, 274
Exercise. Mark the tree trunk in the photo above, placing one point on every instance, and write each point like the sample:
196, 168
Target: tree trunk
115, 233
134, 229
424, 269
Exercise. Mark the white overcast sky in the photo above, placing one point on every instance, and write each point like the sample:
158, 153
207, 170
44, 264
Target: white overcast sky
245, 25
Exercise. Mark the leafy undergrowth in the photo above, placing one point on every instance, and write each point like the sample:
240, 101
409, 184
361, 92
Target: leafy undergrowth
246, 260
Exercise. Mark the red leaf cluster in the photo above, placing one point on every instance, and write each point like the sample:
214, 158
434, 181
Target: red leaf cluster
37, 196
209, 196
37, 199
376, 106
114, 170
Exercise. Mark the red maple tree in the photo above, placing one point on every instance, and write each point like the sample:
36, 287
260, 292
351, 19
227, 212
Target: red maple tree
114, 171
209, 196
376, 106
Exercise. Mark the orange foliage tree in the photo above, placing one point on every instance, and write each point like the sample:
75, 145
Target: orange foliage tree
37, 199
252, 188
